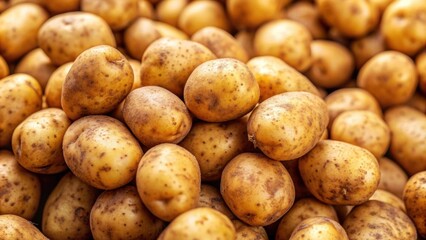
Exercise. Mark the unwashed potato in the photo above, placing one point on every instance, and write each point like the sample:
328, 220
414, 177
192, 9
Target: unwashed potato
321, 228
421, 70
15, 227
392, 177
247, 232
378, 220
308, 15
168, 181
21, 96
64, 36
120, 214
168, 11
101, 151
367, 47
19, 26
210, 197
387, 197
408, 141
67, 209
20, 189
139, 35
340, 173
288, 125
4, 68
257, 189
415, 200
61, 6
53, 90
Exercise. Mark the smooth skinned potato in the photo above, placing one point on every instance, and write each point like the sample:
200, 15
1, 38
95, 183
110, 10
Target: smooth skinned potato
245, 38
15, 227
53, 91
210, 197
308, 15
169, 31
363, 49
387, 197
321, 228
168, 11
392, 177
247, 232
139, 35
414, 196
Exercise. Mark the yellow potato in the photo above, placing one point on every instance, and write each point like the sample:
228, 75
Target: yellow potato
4, 68
308, 15
245, 38
418, 102
387, 197
139, 35
53, 90
392, 177
415, 200
169, 31
321, 228
168, 11
210, 197
363, 49
247, 232
421, 70
61, 6
15, 227
146, 9
292, 167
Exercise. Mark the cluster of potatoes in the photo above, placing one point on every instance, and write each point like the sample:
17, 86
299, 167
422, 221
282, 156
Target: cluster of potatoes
228, 119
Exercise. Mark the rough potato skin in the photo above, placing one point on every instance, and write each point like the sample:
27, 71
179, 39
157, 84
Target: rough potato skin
392, 177
210, 197
247, 232
53, 89
321, 228
13, 227
414, 197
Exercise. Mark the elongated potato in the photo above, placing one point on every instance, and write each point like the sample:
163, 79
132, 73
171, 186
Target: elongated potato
15, 227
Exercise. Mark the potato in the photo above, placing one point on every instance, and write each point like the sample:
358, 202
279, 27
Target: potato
292, 167
169, 31
257, 189
19, 26
288, 40
381, 4
408, 139
244, 231
168, 11
245, 38
387, 197
53, 91
199, 223
61, 6
15, 227
363, 49
100, 88
215, 144
288, 125
168, 181
169, 62
319, 228
67, 209
418, 102
414, 198
364, 129
274, 76
421, 70
101, 151
120, 214
21, 96
392, 177
390, 77
210, 197
378, 220
340, 173
307, 14
139, 35
4, 68
155, 115
146, 9
64, 36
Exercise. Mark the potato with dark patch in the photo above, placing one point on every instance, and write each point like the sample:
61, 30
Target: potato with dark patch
15, 227
53, 91
61, 6
244, 231
388, 197
210, 197
392, 177
139, 35
168, 11
319, 228
307, 14
415, 200
363, 49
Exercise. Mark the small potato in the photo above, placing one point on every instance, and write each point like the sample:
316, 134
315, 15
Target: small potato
20, 190
101, 151
288, 40
15, 227
169, 62
4, 68
415, 200
100, 88
19, 26
168, 181
21, 96
146, 10
169, 31
288, 125
387, 197
120, 214
64, 36
392, 177
292, 167
245, 38
308, 15
257, 189
61, 6
408, 141
53, 89
378, 220
389, 76
199, 223
139, 35
168, 11
221, 90
155, 115
67, 209
418, 102
363, 49
340, 173
247, 232
421, 70
210, 197
321, 228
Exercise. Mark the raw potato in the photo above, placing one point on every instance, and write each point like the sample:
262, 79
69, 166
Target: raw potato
146, 9
421, 70
53, 91
257, 189
247, 232
169, 31
308, 15
155, 115
19, 26
101, 151
210, 197
288, 40
340, 173
20, 189
415, 200
408, 141
245, 38
21, 96
199, 223
61, 6
418, 102
168, 11
64, 36
139, 35
4, 68
67, 209
168, 181
378, 220
363, 49
221, 90
387, 197
292, 167
13, 227
288, 125
37, 141
120, 214
100, 88
321, 228
392, 177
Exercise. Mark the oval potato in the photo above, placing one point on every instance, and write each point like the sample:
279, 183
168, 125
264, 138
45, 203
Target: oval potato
321, 228
15, 227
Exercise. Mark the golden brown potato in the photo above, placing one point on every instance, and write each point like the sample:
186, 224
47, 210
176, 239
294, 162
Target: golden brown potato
120, 214
167, 30
321, 228
246, 232
15, 227
363, 49
19, 26
61, 6
292, 167
64, 36
421, 70
245, 38
257, 189
139, 35
418, 102
392, 177
388, 197
168, 11
136, 67
415, 200
146, 9
340, 173
381, 4
168, 181
210, 197
308, 15
53, 89
4, 68
288, 125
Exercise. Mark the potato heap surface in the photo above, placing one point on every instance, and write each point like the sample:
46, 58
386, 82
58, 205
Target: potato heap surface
213, 119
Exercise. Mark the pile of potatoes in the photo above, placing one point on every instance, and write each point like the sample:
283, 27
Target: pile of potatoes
227, 119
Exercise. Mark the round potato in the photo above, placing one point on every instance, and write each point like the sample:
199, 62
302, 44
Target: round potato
288, 125
146, 9
221, 90
101, 151
53, 91
415, 200
308, 15
340, 173
4, 68
175, 172
247, 232
168, 11
321, 228
139, 35
392, 177
15, 227
257, 189
387, 197
421, 70
61, 6
210, 197
363, 49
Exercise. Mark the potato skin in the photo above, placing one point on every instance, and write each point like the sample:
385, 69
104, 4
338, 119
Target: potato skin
61, 6
307, 14
414, 197
4, 68
175, 171
421, 70
210, 197
139, 35
247, 232
321, 228
168, 11
363, 49
13, 227
388, 197
257, 189
392, 177
53, 91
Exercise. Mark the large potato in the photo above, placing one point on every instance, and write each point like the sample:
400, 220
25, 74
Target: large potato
392, 177
168, 181
308, 15
257, 189
101, 151
210, 197
139, 35
15, 227
53, 91
288, 125
247, 232
321, 228
415, 200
